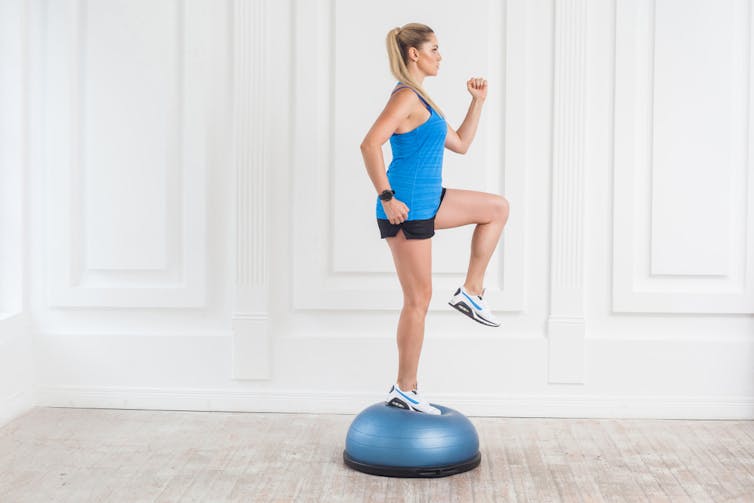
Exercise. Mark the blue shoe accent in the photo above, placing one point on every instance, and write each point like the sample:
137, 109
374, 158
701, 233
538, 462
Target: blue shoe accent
472, 301
405, 396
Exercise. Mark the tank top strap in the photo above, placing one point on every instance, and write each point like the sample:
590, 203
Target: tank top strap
404, 86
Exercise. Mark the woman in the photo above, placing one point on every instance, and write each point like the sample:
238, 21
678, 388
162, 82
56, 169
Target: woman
411, 198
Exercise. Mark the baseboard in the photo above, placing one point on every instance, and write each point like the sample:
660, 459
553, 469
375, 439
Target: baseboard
316, 402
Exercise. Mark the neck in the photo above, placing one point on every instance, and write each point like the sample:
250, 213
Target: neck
416, 74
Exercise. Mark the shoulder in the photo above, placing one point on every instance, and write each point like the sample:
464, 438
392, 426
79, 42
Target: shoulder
404, 96
401, 104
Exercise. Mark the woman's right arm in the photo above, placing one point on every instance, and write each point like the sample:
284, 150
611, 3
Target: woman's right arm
398, 108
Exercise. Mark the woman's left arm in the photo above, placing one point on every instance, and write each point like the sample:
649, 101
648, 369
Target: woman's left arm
459, 141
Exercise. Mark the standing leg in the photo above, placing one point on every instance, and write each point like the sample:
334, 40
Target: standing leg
490, 213
413, 263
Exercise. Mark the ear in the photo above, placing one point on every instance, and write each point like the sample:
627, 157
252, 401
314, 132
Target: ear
413, 53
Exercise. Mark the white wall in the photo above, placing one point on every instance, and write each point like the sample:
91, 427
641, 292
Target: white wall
16, 360
202, 226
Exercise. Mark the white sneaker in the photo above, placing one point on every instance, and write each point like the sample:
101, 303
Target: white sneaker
409, 400
474, 307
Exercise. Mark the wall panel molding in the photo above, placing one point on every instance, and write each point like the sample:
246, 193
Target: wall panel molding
100, 199
683, 233
308, 401
252, 344
566, 326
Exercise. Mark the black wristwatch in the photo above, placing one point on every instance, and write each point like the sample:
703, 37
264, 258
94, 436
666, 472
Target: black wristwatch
387, 194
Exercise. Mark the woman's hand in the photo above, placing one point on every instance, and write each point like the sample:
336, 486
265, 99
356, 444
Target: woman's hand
477, 87
396, 211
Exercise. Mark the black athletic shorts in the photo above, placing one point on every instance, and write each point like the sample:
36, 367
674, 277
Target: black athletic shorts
412, 229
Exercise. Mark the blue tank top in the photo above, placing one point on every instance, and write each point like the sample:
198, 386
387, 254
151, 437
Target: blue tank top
415, 173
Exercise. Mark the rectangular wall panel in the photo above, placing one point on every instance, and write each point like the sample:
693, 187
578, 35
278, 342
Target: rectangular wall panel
126, 93
132, 97
698, 119
683, 230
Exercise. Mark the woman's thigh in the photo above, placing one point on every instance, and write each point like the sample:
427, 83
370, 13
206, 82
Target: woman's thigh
462, 207
413, 263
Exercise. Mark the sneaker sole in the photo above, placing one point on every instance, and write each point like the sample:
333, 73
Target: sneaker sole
397, 402
465, 309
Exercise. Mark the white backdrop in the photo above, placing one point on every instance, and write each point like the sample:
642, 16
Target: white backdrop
198, 226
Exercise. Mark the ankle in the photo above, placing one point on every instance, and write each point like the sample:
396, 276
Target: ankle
404, 386
473, 289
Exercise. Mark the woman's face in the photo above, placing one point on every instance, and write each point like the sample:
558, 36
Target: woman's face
429, 56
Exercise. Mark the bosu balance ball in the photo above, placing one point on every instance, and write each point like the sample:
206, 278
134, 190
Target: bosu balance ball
395, 442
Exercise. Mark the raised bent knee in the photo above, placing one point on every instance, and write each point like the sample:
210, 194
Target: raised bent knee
501, 209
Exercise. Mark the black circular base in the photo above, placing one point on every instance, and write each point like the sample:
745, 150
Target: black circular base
419, 471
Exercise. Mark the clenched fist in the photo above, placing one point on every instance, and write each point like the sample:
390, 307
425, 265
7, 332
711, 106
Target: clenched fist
477, 86
396, 211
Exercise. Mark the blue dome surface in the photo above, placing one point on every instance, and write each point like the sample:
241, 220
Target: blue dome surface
388, 440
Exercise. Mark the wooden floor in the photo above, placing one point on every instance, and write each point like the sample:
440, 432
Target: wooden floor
78, 455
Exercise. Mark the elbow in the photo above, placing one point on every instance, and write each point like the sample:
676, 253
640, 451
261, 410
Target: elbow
366, 146
459, 146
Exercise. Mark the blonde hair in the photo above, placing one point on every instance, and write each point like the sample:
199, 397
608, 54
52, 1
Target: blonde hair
399, 40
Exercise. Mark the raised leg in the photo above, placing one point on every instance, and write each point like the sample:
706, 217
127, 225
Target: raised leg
490, 213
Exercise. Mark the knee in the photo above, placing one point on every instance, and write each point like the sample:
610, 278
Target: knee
418, 300
500, 209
